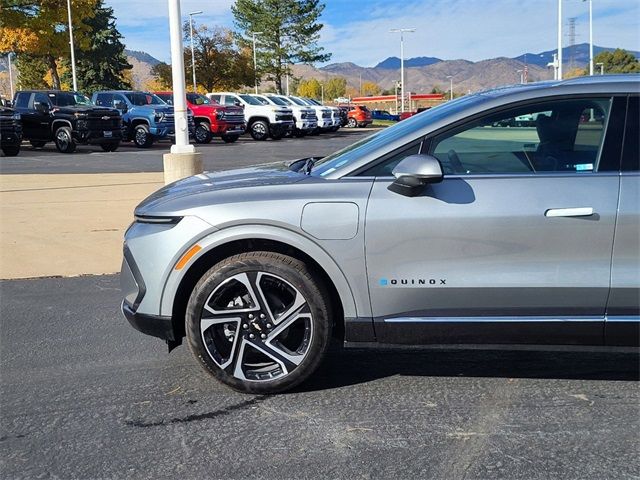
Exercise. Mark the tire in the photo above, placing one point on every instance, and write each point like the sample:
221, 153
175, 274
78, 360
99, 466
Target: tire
277, 136
258, 351
37, 143
229, 138
203, 133
11, 150
141, 136
64, 140
352, 123
259, 130
110, 147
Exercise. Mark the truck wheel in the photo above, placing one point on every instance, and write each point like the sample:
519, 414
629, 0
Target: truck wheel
259, 322
141, 136
11, 150
259, 130
352, 123
37, 143
229, 138
110, 147
64, 140
203, 133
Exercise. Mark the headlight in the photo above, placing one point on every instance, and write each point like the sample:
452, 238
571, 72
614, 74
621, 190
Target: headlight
81, 115
16, 116
219, 115
82, 125
158, 117
152, 219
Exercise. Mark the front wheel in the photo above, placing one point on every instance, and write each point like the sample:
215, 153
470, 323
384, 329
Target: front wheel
11, 150
259, 130
142, 137
229, 138
259, 322
352, 123
64, 140
203, 133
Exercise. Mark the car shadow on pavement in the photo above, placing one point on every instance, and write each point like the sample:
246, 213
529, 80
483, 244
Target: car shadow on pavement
344, 367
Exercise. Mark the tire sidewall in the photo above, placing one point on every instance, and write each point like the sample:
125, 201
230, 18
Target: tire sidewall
71, 146
260, 136
293, 272
148, 140
205, 133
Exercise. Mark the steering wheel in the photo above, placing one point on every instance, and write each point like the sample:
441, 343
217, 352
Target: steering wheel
454, 161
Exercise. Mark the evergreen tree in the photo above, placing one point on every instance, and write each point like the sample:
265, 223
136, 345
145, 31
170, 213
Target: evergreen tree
32, 70
618, 61
101, 64
290, 33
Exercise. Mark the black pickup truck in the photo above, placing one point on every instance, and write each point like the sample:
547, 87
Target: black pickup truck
10, 131
67, 118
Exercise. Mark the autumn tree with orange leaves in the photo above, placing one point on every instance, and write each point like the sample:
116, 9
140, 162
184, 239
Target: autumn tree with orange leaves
39, 28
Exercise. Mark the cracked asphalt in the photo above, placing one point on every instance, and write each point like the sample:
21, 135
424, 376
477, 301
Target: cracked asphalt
85, 396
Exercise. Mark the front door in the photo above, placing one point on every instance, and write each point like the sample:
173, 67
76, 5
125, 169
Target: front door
514, 246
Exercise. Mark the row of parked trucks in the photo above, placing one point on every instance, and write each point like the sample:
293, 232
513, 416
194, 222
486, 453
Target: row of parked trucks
70, 118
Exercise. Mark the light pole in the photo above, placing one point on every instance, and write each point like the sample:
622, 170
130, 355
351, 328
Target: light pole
73, 54
521, 72
601, 65
402, 31
193, 57
322, 93
450, 77
10, 76
559, 39
590, 36
255, 59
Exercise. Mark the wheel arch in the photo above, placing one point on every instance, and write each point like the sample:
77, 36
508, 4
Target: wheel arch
134, 122
56, 124
253, 120
175, 297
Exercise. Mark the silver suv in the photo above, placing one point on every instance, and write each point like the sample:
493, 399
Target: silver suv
456, 226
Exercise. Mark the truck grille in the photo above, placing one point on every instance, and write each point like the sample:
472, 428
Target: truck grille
100, 122
7, 121
312, 116
326, 114
284, 118
233, 117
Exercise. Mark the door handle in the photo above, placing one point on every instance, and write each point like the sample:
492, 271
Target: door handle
569, 212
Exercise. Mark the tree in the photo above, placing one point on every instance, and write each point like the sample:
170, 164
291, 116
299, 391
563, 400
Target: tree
32, 70
335, 87
310, 88
39, 28
370, 88
220, 61
101, 65
290, 33
162, 74
618, 61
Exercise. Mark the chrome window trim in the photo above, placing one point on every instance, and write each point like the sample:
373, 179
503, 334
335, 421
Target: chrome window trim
535, 319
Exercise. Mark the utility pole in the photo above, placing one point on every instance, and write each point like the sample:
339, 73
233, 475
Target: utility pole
590, 37
73, 53
193, 57
322, 93
255, 60
450, 77
183, 160
559, 40
402, 31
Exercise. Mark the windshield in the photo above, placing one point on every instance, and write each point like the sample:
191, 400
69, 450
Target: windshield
166, 97
297, 101
278, 101
250, 100
312, 101
262, 100
285, 101
412, 125
197, 99
144, 98
68, 99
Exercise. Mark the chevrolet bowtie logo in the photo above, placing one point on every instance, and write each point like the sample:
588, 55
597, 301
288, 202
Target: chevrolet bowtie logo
106, 118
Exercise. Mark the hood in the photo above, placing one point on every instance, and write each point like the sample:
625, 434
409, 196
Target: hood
256, 176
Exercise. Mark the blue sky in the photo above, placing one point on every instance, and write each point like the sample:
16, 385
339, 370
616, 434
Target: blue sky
358, 30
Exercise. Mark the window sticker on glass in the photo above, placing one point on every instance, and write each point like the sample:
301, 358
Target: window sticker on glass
584, 167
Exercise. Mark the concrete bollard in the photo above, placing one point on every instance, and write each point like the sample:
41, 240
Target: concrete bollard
181, 165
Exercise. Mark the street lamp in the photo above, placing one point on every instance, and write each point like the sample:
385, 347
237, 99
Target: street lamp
193, 57
521, 72
402, 31
450, 77
73, 55
255, 60
322, 93
601, 65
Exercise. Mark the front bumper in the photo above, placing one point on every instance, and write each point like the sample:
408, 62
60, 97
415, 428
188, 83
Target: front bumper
10, 137
306, 124
228, 128
154, 325
97, 136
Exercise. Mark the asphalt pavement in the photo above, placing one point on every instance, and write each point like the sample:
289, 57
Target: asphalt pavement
85, 396
216, 155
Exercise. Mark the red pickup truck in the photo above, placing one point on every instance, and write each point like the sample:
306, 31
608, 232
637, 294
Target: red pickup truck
211, 118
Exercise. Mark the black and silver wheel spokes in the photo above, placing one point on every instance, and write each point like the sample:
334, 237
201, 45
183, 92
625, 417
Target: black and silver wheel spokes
256, 326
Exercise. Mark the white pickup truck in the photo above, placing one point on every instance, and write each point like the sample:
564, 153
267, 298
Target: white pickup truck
263, 121
321, 111
304, 116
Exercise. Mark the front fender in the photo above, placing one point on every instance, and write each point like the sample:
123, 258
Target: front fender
263, 232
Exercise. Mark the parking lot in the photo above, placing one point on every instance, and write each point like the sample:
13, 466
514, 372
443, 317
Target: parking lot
85, 396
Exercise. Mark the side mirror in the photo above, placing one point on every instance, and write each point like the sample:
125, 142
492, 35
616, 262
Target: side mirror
414, 172
41, 107
238, 104
120, 105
